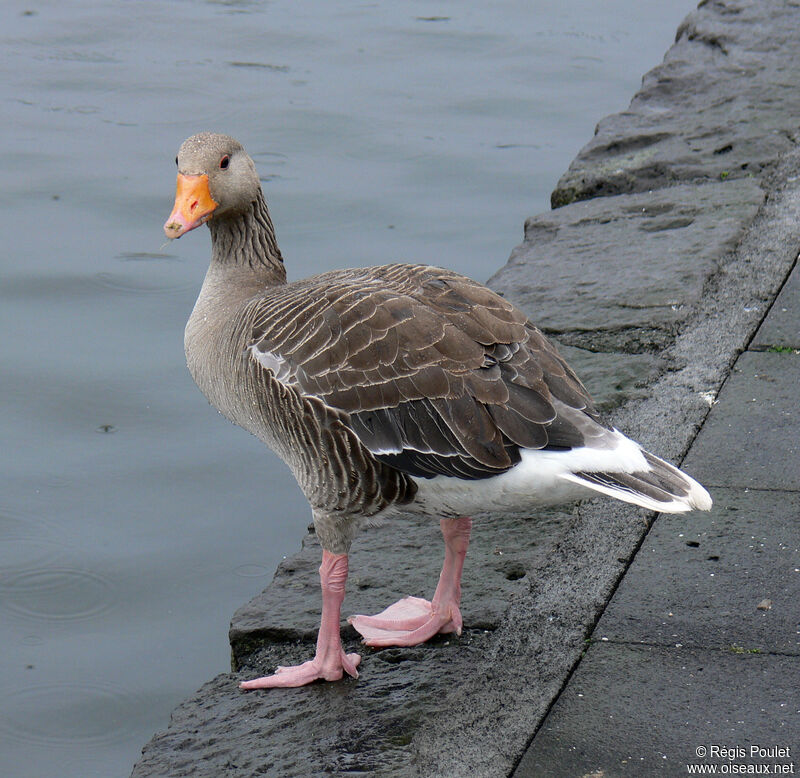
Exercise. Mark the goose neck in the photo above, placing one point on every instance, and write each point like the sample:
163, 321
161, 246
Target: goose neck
248, 241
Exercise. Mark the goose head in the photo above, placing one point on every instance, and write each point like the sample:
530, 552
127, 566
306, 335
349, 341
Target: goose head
216, 179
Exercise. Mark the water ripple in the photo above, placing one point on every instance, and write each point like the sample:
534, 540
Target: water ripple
24, 543
68, 713
124, 283
51, 593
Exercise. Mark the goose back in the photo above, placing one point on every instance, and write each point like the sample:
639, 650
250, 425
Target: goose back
434, 373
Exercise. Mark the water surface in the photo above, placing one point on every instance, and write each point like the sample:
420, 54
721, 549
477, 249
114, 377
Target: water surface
133, 518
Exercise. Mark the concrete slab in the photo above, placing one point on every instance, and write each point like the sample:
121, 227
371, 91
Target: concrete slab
649, 711
729, 579
781, 328
630, 268
752, 436
717, 108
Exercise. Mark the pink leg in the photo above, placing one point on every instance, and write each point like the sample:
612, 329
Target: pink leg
330, 661
412, 620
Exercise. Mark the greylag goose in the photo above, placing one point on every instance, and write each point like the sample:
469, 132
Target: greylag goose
389, 390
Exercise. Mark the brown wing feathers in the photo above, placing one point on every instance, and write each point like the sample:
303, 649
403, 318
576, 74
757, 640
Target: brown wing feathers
438, 374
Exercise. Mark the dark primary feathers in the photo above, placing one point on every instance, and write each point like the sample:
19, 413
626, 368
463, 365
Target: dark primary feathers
438, 374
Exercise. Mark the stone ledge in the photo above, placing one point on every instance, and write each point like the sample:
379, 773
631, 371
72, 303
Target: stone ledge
624, 273
721, 106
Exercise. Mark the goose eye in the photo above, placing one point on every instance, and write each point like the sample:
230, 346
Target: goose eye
224, 162
176, 160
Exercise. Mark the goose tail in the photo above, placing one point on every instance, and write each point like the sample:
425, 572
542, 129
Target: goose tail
659, 486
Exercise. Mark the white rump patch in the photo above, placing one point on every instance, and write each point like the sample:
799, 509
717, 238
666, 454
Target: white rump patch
541, 478
614, 454
549, 478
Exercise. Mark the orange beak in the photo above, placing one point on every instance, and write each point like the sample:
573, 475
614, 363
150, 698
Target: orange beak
194, 205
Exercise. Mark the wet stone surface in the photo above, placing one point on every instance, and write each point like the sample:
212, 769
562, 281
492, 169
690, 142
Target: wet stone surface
612, 378
622, 273
358, 727
721, 106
